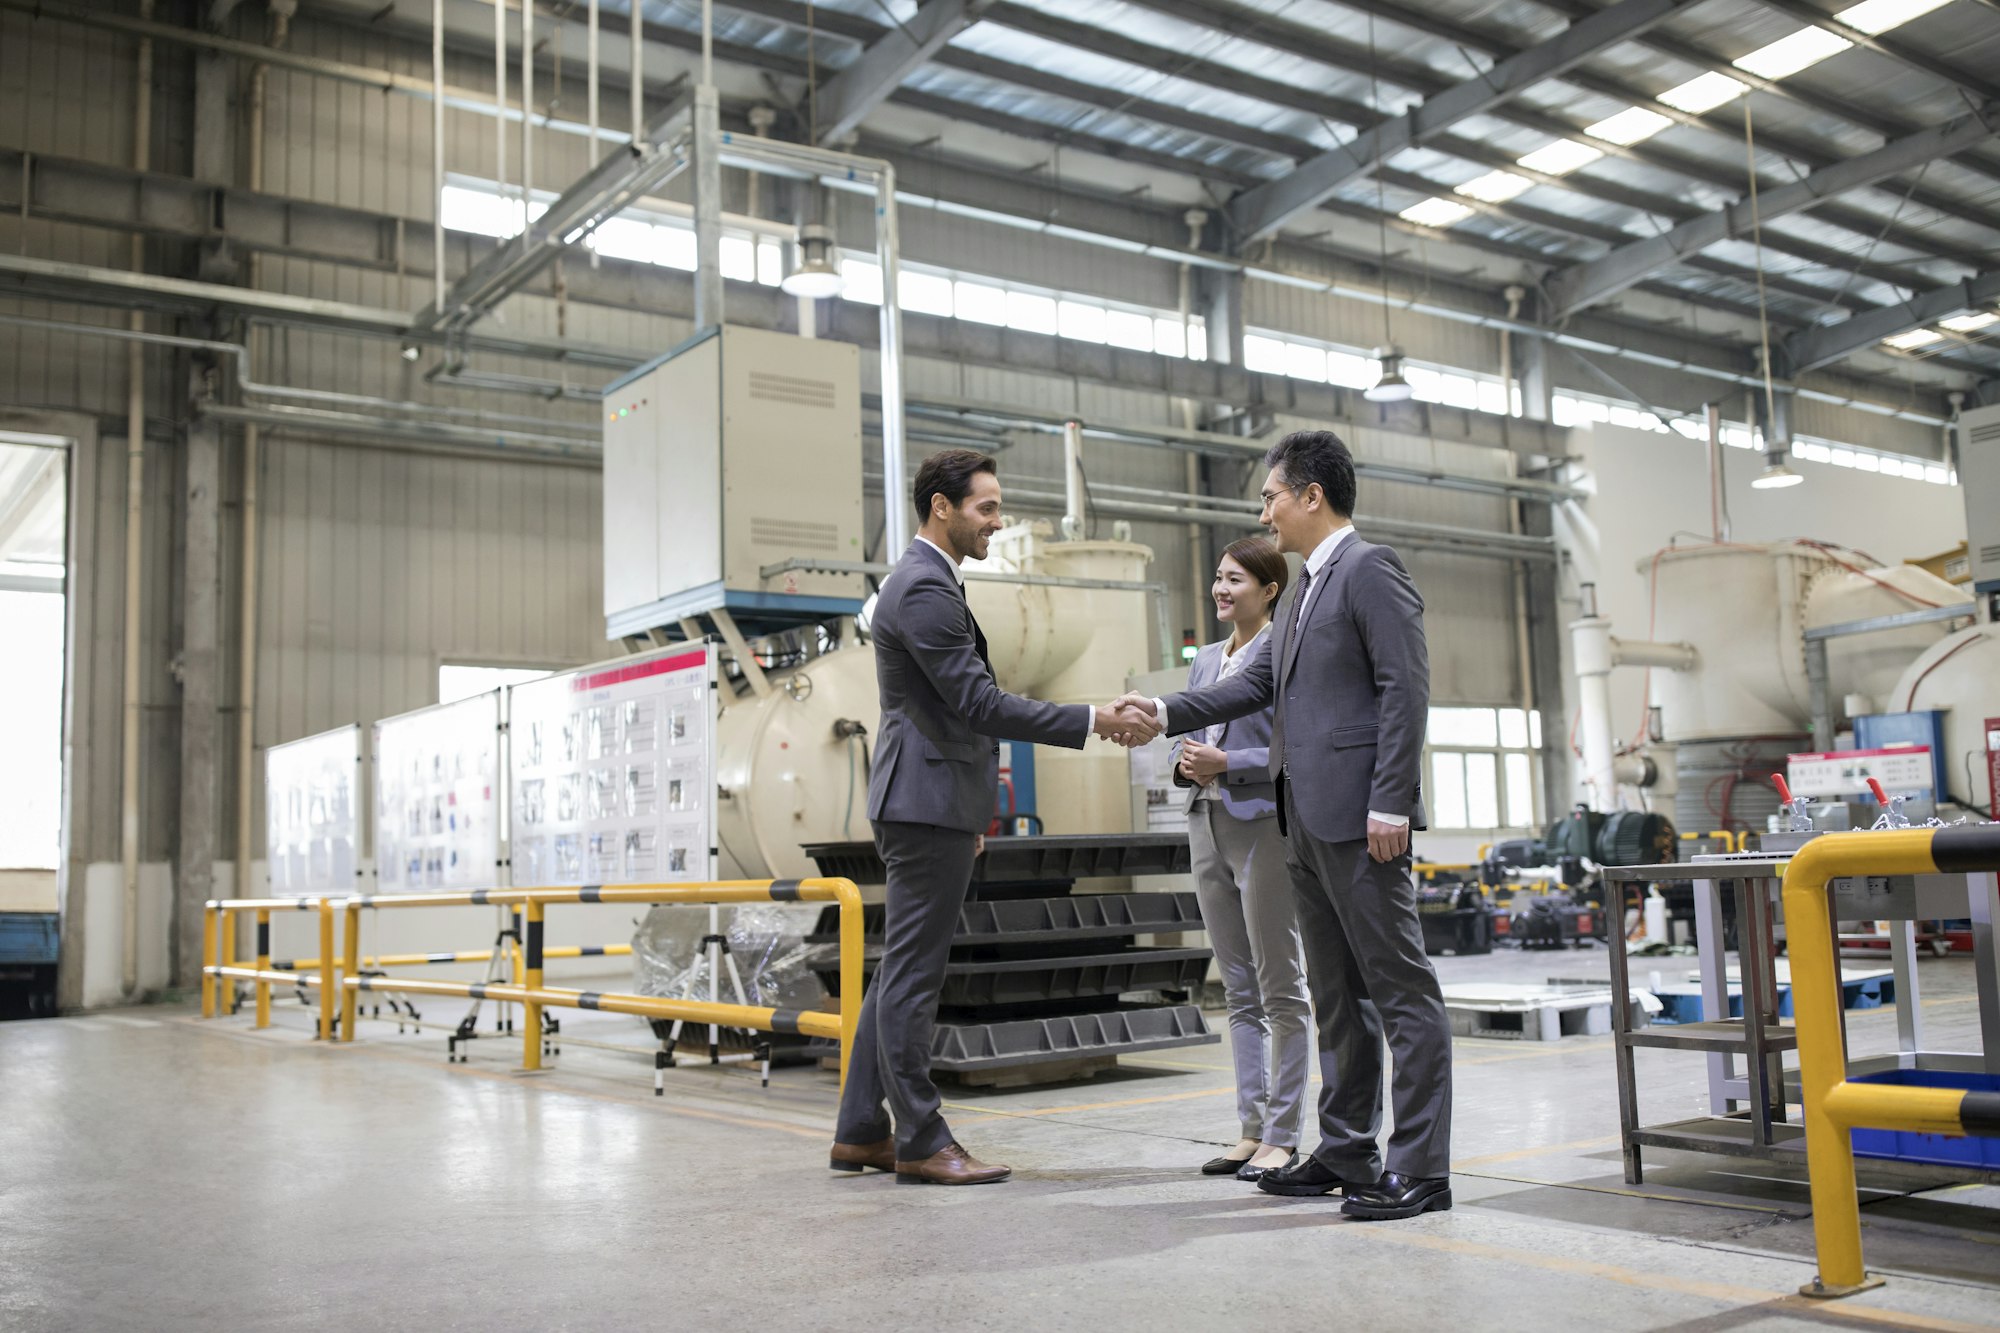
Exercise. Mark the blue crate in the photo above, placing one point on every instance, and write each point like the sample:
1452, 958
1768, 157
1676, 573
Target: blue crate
1940, 1149
28, 938
1860, 993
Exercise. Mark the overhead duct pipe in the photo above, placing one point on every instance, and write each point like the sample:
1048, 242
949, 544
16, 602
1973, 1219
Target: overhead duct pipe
1596, 653
1074, 523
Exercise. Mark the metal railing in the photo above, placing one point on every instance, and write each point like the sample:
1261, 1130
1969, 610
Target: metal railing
1833, 1104
339, 975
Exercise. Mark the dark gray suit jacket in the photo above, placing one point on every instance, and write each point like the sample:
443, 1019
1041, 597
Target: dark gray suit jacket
1351, 692
935, 757
1245, 785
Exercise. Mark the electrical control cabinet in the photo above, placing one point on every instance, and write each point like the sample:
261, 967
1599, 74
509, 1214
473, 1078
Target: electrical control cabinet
736, 451
1979, 478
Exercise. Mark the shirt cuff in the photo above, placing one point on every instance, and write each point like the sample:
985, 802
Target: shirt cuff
1089, 724
1401, 821
1160, 714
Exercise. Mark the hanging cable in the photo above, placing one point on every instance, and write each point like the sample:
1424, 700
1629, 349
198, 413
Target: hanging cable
1763, 303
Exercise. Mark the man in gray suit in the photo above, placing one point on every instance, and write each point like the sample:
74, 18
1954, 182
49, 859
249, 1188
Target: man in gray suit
1348, 670
930, 796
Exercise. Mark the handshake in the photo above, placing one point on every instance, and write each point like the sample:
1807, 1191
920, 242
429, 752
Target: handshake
1128, 721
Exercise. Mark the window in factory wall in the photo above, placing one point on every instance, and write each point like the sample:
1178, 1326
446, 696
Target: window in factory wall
457, 681
33, 519
1481, 767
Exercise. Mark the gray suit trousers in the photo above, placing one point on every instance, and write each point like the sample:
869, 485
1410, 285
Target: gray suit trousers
1366, 965
930, 870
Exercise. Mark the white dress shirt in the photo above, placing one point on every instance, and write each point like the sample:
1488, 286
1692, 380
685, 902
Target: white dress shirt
1211, 735
1315, 564
1089, 727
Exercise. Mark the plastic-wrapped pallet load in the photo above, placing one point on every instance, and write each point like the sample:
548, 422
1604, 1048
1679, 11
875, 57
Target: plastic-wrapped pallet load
766, 940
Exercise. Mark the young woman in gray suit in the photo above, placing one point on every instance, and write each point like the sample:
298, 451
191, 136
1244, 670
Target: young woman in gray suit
1241, 880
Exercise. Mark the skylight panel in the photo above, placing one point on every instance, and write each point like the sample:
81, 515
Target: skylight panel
1561, 157
1495, 187
1704, 92
1789, 55
1904, 342
1629, 126
1436, 213
1878, 16
1969, 323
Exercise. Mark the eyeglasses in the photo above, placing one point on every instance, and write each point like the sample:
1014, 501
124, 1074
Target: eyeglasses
1271, 497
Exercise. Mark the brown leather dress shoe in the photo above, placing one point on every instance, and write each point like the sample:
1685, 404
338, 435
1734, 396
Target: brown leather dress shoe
855, 1156
950, 1165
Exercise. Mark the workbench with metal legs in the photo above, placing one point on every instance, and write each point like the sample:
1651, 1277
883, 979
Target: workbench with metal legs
1747, 1108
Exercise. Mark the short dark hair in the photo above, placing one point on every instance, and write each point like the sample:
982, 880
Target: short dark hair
948, 474
1261, 561
1306, 456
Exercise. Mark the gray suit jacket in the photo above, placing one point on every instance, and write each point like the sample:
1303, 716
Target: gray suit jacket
1245, 785
935, 757
1351, 692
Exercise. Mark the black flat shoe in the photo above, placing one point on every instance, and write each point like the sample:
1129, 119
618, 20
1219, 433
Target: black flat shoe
1396, 1196
1307, 1176
1253, 1174
1223, 1166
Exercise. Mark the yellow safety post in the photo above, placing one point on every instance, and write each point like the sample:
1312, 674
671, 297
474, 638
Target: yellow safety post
350, 967
208, 978
226, 956
849, 899
328, 991
531, 980
263, 965
1832, 1106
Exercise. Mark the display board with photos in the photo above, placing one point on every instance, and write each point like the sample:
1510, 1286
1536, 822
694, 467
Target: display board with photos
312, 813
613, 772
439, 797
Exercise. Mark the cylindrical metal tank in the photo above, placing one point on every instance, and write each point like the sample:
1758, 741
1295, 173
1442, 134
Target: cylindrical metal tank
788, 776
1745, 608
1068, 645
1960, 674
785, 775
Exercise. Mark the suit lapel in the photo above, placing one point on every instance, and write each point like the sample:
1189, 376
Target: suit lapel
1316, 599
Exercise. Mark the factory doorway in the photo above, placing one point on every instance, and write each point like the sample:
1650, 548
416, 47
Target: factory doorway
33, 613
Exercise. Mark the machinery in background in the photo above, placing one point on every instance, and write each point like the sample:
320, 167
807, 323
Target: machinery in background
733, 510
1540, 893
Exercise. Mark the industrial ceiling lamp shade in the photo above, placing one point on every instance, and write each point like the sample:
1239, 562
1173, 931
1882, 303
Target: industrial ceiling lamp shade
816, 276
1390, 387
1777, 473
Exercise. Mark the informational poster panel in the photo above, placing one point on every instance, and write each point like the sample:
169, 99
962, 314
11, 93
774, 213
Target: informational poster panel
312, 813
438, 797
613, 772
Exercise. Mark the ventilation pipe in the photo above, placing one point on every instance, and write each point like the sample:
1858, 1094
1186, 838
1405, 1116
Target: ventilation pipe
1073, 521
135, 544
1596, 652
1197, 220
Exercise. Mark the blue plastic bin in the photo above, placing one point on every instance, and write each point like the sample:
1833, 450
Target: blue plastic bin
1897, 1145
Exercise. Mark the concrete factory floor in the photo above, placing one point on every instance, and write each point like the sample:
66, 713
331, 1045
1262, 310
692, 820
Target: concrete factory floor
166, 1173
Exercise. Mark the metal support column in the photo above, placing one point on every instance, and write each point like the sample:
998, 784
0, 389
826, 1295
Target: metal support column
707, 208
201, 598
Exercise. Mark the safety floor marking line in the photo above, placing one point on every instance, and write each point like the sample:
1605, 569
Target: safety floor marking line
1716, 1291
1577, 1145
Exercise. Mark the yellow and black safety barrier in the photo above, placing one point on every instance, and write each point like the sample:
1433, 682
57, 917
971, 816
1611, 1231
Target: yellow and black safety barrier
1833, 1105
373, 962
340, 978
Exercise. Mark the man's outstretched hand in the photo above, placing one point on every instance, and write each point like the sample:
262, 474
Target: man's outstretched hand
1124, 724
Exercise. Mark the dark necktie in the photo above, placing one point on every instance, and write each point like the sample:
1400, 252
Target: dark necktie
1299, 606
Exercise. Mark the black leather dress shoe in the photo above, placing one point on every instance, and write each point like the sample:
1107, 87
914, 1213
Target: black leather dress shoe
1397, 1196
1222, 1166
1306, 1176
1257, 1173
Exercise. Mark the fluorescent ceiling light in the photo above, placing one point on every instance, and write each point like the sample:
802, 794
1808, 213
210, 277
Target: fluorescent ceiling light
1969, 323
1495, 187
1789, 55
1903, 342
1704, 93
1561, 157
1436, 213
1629, 126
1877, 16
